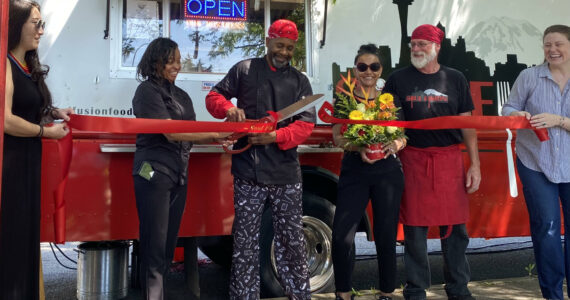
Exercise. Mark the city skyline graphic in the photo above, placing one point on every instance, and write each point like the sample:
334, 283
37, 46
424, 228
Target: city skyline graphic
452, 55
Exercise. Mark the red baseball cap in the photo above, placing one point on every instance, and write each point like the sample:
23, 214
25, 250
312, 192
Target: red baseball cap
429, 33
283, 29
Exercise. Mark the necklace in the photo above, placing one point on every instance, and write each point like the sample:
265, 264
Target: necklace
371, 96
22, 66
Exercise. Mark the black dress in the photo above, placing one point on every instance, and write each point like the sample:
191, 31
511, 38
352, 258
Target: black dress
20, 216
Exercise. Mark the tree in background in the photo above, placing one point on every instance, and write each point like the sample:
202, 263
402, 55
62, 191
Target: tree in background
251, 40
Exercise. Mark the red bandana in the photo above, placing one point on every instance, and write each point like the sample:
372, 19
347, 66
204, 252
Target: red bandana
283, 29
429, 33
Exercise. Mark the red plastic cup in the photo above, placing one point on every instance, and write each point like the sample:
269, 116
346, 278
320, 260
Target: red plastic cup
376, 151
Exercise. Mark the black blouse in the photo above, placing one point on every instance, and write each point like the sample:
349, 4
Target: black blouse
163, 100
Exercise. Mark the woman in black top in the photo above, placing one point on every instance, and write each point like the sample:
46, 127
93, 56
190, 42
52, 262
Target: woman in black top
161, 161
28, 105
361, 179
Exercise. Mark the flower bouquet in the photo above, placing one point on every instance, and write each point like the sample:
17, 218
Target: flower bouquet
382, 108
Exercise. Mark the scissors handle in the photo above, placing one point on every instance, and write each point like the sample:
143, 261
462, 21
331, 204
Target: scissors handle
231, 151
238, 135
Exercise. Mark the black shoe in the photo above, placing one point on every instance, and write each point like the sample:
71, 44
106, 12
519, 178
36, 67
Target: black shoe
415, 297
461, 297
382, 297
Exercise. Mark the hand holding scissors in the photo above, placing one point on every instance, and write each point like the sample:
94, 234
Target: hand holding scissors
269, 137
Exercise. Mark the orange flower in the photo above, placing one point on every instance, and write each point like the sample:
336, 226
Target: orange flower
344, 91
384, 115
349, 82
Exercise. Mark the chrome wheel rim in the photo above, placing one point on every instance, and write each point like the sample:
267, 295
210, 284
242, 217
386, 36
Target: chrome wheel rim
318, 240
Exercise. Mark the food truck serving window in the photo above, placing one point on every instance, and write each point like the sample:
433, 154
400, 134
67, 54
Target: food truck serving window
212, 35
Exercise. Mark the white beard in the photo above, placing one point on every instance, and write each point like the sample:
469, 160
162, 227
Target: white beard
426, 58
277, 64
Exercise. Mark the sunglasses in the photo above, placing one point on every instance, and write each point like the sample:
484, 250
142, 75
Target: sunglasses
40, 24
374, 67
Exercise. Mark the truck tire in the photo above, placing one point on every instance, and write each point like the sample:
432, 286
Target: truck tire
318, 214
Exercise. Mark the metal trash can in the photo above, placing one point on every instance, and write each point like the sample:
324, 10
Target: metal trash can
102, 270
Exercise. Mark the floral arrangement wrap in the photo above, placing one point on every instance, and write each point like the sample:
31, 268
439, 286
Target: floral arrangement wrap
382, 108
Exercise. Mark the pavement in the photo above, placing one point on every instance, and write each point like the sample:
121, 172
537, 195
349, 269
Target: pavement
523, 288
501, 269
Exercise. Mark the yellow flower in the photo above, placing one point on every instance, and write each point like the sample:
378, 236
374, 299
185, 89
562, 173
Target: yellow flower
387, 98
386, 101
391, 129
356, 115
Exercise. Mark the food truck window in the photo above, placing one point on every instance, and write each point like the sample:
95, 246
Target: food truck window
293, 10
212, 35
142, 22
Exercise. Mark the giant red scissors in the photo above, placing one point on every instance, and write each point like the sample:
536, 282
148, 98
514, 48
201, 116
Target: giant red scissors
276, 117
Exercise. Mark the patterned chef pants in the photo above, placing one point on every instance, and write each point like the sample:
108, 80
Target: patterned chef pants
290, 255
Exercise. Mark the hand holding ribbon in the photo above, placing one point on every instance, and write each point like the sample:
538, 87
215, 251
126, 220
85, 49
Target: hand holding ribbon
133, 126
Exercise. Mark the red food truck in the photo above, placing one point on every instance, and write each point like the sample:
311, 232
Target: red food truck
93, 48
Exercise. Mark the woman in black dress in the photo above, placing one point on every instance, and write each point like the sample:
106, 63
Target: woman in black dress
28, 106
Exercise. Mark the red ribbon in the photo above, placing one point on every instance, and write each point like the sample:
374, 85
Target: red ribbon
130, 125
448, 122
65, 147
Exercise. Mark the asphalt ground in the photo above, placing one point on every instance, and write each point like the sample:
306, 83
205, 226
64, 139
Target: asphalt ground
501, 269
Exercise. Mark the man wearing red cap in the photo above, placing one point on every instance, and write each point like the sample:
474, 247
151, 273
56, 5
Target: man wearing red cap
436, 184
269, 171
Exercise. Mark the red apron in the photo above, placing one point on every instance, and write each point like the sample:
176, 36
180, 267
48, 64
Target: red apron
434, 193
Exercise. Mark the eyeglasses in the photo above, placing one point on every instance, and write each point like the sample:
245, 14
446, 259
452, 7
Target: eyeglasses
374, 67
420, 45
40, 24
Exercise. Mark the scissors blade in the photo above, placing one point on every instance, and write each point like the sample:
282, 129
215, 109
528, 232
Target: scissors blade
298, 107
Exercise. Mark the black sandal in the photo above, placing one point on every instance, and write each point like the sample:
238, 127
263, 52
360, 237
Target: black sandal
382, 297
340, 298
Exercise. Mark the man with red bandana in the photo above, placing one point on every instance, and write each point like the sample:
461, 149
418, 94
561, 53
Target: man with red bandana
436, 184
269, 171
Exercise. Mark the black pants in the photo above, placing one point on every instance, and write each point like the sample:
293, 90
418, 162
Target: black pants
455, 266
160, 204
382, 183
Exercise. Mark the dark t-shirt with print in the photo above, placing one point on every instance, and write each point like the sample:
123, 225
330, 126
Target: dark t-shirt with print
422, 96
